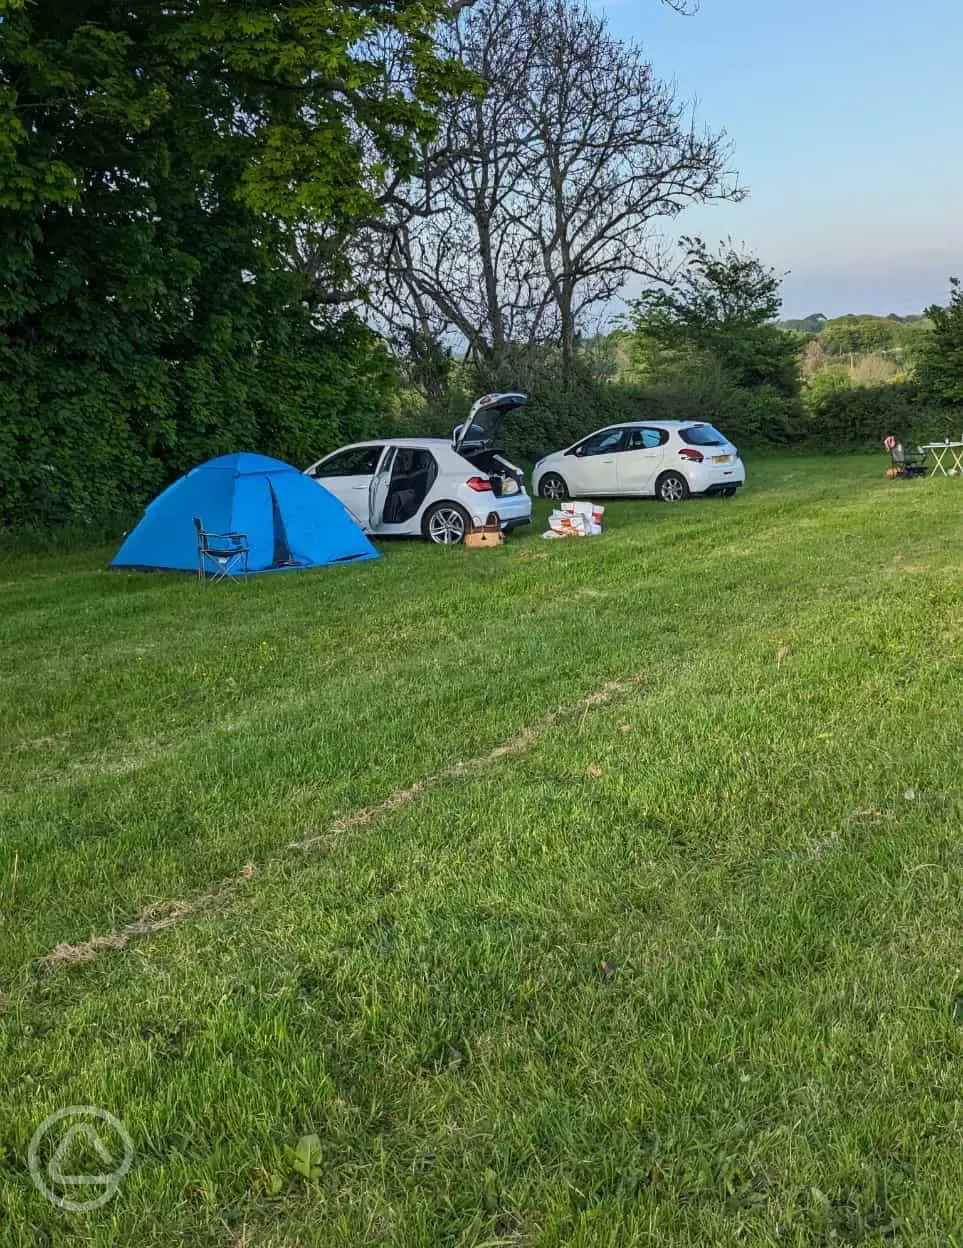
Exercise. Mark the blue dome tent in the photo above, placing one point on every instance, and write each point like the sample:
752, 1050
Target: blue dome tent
290, 521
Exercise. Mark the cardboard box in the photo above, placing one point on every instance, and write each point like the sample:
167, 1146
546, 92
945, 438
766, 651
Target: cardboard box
592, 511
575, 519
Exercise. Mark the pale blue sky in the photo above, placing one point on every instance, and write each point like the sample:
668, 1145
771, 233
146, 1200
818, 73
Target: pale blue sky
847, 121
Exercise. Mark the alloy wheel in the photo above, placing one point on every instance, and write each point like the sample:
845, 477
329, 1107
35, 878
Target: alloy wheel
672, 490
446, 526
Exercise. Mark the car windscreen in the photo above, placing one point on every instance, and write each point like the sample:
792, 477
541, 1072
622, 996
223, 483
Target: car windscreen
702, 435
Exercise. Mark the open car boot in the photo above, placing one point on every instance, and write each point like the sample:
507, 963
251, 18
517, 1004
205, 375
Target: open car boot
476, 440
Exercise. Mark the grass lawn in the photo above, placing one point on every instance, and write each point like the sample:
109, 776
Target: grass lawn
675, 958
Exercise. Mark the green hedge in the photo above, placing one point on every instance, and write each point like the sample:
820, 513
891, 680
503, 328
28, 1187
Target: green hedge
84, 443
563, 410
860, 417
81, 442
855, 418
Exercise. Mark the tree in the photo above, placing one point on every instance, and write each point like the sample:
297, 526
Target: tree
446, 260
940, 358
858, 335
617, 152
540, 197
722, 306
812, 324
156, 163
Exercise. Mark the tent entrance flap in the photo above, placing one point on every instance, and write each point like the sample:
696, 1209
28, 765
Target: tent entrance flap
282, 557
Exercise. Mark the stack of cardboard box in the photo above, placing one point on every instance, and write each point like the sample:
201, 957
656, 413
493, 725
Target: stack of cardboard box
575, 519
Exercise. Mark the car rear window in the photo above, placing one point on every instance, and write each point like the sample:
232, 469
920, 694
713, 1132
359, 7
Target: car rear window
702, 435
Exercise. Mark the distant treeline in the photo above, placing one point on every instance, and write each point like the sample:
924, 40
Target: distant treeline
860, 334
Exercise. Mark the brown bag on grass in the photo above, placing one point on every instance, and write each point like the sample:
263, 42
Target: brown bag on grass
485, 535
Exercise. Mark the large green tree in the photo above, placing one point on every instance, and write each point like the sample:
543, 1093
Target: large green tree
721, 306
940, 359
157, 162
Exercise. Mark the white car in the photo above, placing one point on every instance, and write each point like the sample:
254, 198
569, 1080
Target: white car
430, 486
665, 459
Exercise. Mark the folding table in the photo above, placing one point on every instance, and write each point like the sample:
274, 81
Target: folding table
943, 451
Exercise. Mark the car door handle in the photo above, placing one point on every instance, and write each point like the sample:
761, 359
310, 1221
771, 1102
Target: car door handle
359, 487
608, 461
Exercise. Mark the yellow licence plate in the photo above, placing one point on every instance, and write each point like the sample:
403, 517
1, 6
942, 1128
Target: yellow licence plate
721, 459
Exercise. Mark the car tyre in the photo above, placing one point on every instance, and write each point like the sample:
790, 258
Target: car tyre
672, 487
728, 493
552, 486
445, 524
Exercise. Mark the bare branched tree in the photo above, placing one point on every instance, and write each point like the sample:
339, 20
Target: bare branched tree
446, 260
541, 194
615, 152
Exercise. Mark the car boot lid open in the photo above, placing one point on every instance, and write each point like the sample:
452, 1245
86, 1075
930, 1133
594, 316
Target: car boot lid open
483, 426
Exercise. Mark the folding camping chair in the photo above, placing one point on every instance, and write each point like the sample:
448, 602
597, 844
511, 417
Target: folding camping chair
904, 465
220, 556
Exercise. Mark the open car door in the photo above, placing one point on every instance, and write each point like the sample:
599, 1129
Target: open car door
378, 489
483, 428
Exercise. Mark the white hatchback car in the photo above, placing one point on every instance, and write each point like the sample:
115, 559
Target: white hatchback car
430, 486
665, 459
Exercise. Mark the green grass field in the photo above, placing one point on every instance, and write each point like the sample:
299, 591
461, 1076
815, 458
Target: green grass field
675, 957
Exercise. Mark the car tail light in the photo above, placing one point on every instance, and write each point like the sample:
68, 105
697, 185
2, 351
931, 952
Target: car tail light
694, 457
480, 485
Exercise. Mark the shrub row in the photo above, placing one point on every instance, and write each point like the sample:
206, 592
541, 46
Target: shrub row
81, 442
85, 444
860, 417
851, 419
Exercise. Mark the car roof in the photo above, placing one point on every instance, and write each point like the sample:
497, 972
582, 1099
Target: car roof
654, 424
441, 448
431, 443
